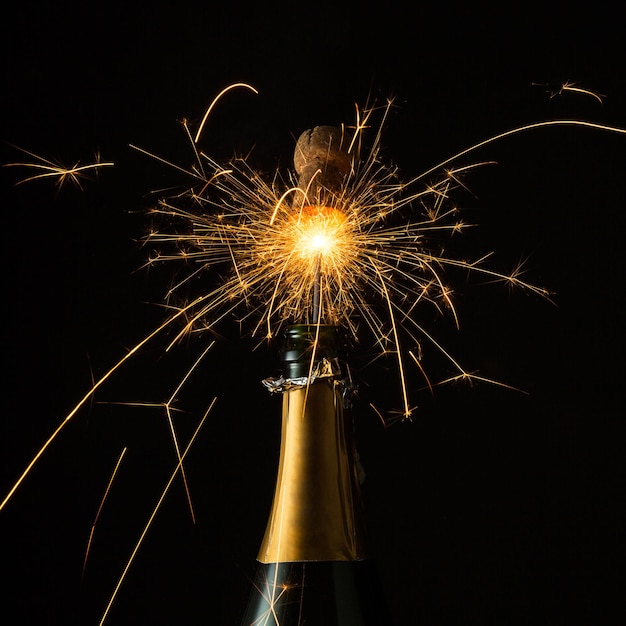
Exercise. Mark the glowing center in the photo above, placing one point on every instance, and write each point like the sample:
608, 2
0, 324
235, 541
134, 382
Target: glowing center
320, 241
320, 230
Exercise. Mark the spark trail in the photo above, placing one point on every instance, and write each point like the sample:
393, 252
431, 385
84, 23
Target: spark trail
43, 168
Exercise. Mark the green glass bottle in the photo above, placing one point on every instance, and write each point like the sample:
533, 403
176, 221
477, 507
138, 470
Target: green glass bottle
313, 565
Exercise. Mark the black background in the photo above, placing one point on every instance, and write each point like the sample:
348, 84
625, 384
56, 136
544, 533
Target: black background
490, 506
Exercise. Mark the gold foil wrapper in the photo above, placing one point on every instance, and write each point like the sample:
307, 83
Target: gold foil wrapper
317, 512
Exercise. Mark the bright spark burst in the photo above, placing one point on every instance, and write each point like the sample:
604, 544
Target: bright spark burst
375, 251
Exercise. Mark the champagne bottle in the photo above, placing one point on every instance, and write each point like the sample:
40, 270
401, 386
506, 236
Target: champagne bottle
313, 564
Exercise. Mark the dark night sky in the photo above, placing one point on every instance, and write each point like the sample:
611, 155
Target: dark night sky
490, 507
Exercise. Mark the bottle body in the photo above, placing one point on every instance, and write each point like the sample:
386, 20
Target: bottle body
313, 564
321, 593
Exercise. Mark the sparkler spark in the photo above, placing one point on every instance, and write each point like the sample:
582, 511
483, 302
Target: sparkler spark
46, 168
372, 249
570, 86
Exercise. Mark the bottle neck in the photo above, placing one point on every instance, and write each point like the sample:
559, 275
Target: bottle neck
317, 512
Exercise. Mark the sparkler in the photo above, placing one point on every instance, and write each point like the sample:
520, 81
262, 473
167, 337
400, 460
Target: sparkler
363, 252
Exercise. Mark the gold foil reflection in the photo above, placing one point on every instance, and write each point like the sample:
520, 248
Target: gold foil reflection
316, 513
